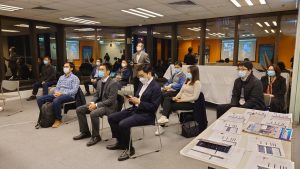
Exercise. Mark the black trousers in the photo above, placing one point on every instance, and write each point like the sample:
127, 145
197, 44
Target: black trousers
136, 83
169, 105
223, 108
168, 94
86, 85
121, 122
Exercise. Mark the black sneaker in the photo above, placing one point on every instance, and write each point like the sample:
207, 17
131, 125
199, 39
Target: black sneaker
126, 154
93, 141
31, 98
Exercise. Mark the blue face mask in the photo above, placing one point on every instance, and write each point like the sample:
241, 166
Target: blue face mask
100, 74
271, 73
242, 74
177, 70
189, 76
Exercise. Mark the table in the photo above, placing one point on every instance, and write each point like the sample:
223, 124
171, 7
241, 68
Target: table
206, 133
217, 81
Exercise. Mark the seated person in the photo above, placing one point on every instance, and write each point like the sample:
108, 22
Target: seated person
23, 70
103, 103
93, 79
65, 91
275, 86
145, 103
86, 68
185, 99
47, 79
247, 91
124, 73
174, 84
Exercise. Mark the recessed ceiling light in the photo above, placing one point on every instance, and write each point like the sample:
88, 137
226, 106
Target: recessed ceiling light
9, 8
206, 37
263, 2
266, 31
272, 30
143, 32
267, 23
119, 34
253, 34
52, 38
8, 30
156, 33
27, 26
168, 36
198, 37
207, 29
84, 29
78, 20
259, 24
134, 14
75, 37
143, 13
249, 2
236, 3
274, 23
151, 12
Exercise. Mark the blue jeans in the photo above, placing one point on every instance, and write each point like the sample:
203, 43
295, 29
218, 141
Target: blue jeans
57, 103
45, 87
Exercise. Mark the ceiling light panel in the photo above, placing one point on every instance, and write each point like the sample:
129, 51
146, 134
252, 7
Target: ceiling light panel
267, 24
8, 30
78, 20
266, 31
263, 2
259, 24
9, 8
249, 2
236, 3
85, 29
144, 13
274, 23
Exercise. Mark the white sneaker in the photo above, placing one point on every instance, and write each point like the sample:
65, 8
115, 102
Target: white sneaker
159, 131
163, 120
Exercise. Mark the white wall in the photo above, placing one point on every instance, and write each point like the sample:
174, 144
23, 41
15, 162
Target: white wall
295, 91
115, 50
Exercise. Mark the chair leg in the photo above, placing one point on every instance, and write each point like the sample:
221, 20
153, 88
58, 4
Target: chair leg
21, 104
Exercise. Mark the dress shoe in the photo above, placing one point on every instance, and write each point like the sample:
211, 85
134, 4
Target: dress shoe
116, 146
37, 126
82, 136
93, 141
126, 154
57, 123
31, 98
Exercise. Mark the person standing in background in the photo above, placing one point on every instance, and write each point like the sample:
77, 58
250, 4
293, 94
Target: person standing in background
12, 62
106, 58
93, 78
139, 58
189, 58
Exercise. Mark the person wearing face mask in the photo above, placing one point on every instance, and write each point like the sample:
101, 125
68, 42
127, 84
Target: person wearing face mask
145, 104
46, 80
247, 91
139, 58
274, 85
103, 103
174, 84
124, 73
65, 91
185, 99
93, 79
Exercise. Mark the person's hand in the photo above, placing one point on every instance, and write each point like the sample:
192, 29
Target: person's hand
57, 94
134, 100
92, 106
43, 82
93, 80
168, 87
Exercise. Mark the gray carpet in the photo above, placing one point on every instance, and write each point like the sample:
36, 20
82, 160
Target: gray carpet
23, 147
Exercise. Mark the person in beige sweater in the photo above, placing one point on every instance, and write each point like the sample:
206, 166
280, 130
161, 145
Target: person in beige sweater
185, 99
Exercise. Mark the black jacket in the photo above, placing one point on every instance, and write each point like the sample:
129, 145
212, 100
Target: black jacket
150, 99
189, 59
253, 93
278, 87
48, 73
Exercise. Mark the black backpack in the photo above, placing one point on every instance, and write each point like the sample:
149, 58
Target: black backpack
46, 118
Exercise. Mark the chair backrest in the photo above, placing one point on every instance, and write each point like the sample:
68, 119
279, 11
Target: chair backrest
10, 85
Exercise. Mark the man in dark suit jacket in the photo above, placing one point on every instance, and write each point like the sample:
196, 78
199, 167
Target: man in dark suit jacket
103, 103
139, 58
145, 104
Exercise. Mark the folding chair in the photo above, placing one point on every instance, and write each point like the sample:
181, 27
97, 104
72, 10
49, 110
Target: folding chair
10, 86
143, 126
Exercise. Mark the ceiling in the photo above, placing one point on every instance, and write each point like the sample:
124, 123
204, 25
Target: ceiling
109, 13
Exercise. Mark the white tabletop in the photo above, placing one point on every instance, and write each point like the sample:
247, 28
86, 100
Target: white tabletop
206, 134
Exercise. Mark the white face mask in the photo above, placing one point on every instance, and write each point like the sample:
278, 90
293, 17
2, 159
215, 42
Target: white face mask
123, 64
66, 70
138, 48
143, 80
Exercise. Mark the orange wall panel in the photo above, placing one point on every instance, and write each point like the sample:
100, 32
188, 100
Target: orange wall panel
81, 45
286, 49
158, 49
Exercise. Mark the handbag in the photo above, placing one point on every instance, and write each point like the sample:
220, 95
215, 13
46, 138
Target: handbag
190, 129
